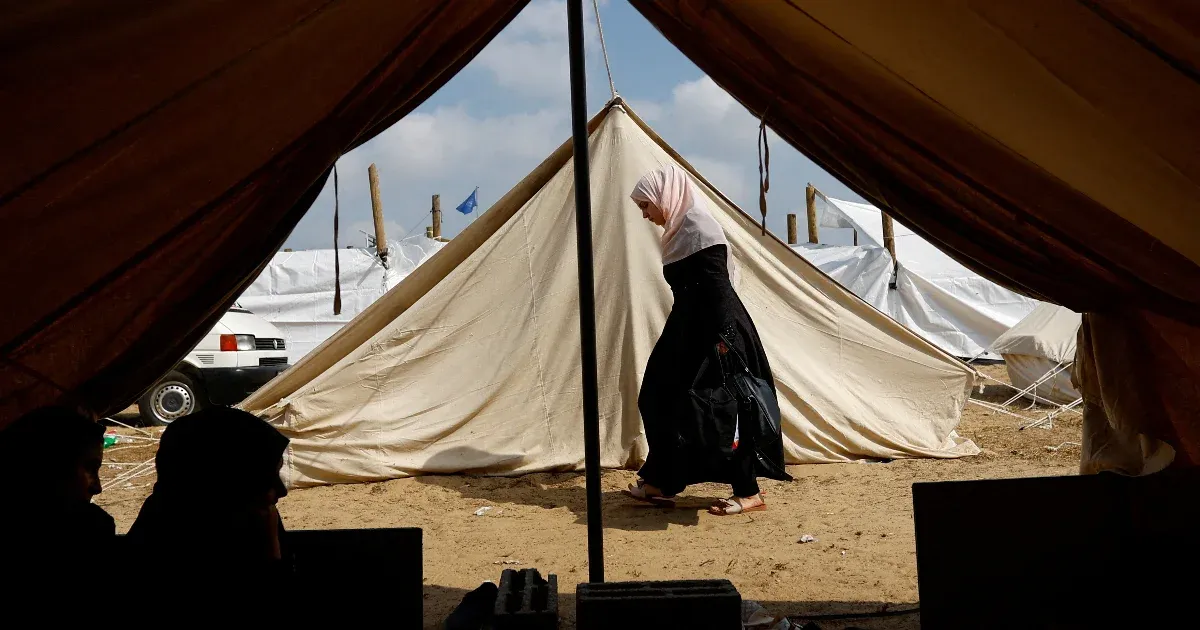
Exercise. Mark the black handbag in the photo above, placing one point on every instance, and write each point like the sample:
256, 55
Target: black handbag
709, 440
758, 407
734, 409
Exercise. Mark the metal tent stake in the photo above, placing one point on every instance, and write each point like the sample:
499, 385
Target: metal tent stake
587, 296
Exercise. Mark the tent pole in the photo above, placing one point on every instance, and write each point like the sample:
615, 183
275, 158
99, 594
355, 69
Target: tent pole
587, 296
377, 213
889, 242
810, 206
437, 216
889, 234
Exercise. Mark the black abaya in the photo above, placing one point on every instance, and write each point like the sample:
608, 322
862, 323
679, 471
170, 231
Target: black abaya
706, 310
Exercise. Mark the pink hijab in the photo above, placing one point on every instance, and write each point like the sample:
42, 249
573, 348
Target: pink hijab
690, 227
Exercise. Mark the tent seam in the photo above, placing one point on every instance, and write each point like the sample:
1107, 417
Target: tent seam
537, 351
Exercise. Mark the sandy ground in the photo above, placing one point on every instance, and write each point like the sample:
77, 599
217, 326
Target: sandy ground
861, 515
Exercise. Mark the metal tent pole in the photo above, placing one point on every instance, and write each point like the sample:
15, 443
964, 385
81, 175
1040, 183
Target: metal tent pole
587, 296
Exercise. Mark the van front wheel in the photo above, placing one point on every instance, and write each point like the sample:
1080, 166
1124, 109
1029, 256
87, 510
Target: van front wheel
173, 397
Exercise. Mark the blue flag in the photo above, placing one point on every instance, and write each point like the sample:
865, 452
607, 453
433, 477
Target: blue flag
472, 202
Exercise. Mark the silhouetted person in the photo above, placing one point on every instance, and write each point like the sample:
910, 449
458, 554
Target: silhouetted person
50, 470
211, 522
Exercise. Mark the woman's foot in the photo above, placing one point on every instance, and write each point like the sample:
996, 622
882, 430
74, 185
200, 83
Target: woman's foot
649, 493
738, 505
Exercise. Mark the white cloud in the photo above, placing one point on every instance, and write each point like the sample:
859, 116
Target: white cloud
729, 178
530, 56
449, 140
649, 111
704, 101
701, 113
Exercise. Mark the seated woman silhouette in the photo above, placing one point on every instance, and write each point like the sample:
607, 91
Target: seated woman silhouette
213, 510
50, 466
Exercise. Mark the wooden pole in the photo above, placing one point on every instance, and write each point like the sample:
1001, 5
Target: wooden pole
437, 216
889, 242
810, 204
377, 213
889, 237
792, 237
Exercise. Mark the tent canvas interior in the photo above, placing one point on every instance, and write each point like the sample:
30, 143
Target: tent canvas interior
478, 371
958, 310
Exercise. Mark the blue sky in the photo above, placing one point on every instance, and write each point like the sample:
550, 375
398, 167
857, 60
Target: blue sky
509, 108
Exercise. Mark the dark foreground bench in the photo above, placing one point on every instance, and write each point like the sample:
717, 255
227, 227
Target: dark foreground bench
1059, 552
338, 574
376, 572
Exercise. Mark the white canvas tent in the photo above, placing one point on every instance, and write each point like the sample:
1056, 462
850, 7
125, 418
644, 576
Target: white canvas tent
934, 296
1039, 352
295, 291
472, 363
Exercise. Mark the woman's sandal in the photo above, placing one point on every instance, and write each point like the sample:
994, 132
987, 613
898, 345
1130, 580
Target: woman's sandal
639, 492
733, 505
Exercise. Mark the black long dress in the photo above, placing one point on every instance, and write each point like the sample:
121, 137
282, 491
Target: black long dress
706, 309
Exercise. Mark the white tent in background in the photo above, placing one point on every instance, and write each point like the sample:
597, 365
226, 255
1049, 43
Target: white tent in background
295, 291
934, 296
1039, 352
472, 363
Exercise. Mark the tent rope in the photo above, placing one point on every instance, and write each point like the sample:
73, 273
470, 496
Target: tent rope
612, 87
764, 170
139, 470
337, 262
130, 426
1048, 420
997, 409
414, 226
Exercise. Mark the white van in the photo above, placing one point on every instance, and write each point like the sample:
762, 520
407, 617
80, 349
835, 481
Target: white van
239, 355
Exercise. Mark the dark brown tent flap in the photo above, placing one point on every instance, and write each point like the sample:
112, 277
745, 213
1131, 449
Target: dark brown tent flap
1047, 145
156, 155
1137, 372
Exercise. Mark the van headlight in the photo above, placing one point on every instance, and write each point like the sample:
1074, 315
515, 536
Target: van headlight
231, 343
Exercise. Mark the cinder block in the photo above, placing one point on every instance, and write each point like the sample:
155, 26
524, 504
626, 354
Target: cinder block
710, 604
526, 601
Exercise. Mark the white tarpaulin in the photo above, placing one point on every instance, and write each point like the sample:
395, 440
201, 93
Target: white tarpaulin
472, 363
923, 306
936, 297
1038, 344
295, 291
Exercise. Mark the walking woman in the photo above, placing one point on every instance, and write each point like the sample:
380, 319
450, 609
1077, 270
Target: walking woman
692, 420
